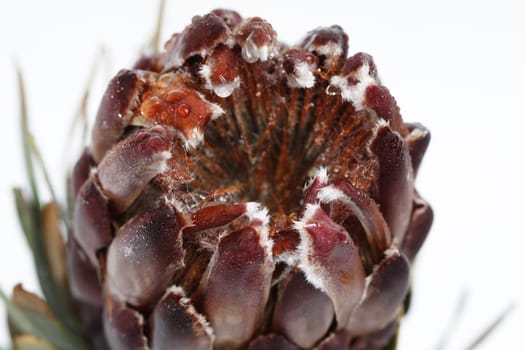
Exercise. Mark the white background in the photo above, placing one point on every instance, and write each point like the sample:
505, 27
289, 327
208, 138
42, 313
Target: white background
457, 67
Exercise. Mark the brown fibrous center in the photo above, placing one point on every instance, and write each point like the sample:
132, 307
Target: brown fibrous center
272, 137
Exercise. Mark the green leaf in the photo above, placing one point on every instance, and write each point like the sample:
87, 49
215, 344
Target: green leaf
23, 209
26, 139
43, 326
490, 328
47, 179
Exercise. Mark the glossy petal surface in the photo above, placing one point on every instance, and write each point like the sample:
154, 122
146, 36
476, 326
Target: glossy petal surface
114, 112
123, 327
92, 225
177, 325
331, 261
145, 254
385, 290
131, 164
395, 179
236, 285
271, 342
302, 313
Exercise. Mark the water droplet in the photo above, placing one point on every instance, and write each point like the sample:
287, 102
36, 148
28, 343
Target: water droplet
224, 90
250, 51
175, 95
332, 90
183, 110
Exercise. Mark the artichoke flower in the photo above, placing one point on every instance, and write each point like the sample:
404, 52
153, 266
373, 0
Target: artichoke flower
236, 193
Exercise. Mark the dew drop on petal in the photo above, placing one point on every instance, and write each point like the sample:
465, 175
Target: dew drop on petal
250, 50
332, 90
183, 110
175, 95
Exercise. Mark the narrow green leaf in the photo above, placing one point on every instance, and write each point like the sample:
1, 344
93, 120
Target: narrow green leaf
42, 327
490, 329
23, 209
452, 324
50, 187
26, 140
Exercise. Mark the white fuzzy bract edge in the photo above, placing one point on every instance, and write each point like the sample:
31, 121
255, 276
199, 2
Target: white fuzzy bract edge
329, 49
159, 164
330, 194
186, 303
313, 272
194, 140
205, 73
354, 93
380, 124
224, 89
320, 174
261, 219
303, 76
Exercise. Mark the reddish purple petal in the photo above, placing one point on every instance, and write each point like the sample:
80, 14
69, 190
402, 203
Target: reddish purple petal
221, 72
114, 112
330, 43
175, 324
300, 67
210, 223
231, 18
383, 103
358, 60
215, 215
418, 140
335, 341
93, 323
396, 180
376, 340
271, 342
145, 254
258, 40
83, 278
92, 225
330, 261
123, 327
385, 291
311, 191
199, 38
236, 285
420, 223
81, 171
356, 76
131, 164
302, 312
366, 211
